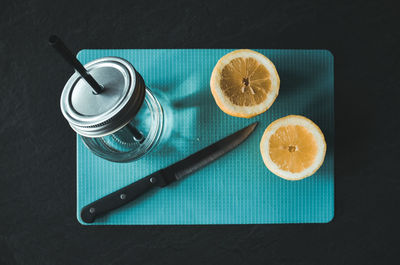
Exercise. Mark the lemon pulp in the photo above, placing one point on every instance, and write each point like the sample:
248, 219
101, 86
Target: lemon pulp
245, 81
293, 148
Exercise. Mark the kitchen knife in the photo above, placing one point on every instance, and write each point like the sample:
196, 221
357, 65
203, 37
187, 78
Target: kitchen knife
165, 176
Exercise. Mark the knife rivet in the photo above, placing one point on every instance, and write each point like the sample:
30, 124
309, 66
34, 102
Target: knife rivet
153, 180
122, 196
92, 210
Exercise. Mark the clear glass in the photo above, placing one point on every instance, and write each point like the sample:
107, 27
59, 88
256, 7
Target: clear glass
135, 139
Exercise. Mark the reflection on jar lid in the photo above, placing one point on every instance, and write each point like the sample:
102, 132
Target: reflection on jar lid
98, 115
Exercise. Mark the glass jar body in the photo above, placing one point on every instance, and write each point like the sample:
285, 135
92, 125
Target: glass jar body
137, 138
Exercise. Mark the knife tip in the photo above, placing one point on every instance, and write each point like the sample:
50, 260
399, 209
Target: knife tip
254, 124
251, 127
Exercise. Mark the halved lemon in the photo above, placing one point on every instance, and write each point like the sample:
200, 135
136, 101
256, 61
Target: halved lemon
293, 147
244, 83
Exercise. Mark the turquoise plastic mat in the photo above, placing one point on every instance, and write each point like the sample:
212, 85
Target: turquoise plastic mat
238, 188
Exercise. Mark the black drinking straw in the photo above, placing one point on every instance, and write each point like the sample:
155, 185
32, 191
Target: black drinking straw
60, 47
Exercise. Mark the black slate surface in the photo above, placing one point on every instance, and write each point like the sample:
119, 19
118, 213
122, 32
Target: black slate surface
37, 148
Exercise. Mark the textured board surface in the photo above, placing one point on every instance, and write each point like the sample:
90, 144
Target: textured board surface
238, 188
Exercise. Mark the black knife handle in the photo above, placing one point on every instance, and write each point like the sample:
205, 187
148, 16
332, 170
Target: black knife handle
121, 197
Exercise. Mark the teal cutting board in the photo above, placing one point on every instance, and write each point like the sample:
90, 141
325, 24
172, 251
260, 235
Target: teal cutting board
238, 188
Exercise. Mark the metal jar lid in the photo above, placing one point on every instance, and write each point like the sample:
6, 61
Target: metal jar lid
99, 115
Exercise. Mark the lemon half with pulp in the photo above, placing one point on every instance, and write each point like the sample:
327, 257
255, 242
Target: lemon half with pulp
293, 147
244, 83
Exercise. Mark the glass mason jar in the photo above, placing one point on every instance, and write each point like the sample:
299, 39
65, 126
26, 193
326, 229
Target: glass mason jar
123, 122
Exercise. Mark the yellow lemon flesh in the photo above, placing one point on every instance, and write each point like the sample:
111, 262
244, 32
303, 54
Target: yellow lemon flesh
293, 147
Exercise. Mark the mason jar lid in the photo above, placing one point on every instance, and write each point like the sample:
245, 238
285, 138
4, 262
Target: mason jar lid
97, 115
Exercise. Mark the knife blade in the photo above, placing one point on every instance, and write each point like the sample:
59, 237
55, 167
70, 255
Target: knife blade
165, 176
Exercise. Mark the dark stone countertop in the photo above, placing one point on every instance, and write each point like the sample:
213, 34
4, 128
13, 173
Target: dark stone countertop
37, 147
